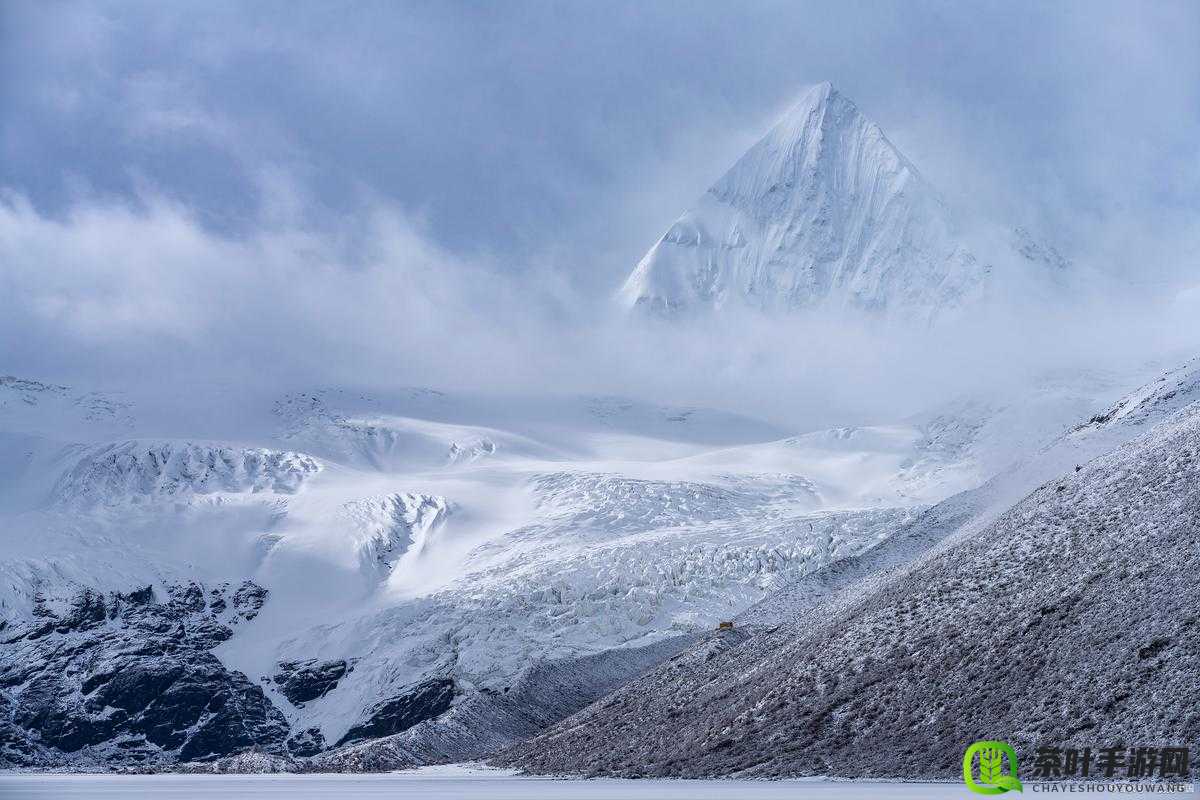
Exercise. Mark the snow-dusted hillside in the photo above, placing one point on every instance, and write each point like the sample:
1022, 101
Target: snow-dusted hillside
825, 212
419, 551
1069, 617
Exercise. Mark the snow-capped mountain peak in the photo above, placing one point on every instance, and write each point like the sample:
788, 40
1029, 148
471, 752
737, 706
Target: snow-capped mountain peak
822, 211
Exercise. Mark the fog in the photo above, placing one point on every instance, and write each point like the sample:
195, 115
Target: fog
122, 298
449, 195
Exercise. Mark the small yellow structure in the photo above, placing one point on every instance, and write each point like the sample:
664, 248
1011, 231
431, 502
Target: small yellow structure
725, 626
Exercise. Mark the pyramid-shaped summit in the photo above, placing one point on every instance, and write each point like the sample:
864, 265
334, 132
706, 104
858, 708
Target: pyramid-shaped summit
823, 211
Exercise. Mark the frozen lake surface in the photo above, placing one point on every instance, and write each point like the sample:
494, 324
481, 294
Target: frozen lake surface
443, 784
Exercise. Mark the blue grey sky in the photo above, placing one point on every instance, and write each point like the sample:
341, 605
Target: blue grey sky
521, 128
283, 162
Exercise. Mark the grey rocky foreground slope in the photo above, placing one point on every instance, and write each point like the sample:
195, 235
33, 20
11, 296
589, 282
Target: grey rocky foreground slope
1071, 619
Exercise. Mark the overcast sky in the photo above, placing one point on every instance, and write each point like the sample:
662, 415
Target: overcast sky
552, 141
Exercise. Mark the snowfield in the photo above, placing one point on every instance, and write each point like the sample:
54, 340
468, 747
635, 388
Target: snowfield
453, 784
145, 471
421, 551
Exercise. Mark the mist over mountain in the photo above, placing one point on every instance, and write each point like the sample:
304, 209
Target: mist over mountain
156, 213
356, 412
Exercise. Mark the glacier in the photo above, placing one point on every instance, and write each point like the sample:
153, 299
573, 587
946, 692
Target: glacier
425, 565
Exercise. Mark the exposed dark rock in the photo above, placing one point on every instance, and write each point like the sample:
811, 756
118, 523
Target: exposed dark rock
189, 597
207, 633
1154, 648
87, 612
302, 681
307, 742
17, 747
216, 602
249, 599
127, 679
425, 701
139, 597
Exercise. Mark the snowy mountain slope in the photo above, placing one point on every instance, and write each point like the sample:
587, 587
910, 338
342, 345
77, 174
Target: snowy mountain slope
822, 210
618, 560
438, 425
134, 471
965, 514
958, 445
370, 439
34, 407
578, 581
397, 528
1151, 403
410, 569
390, 567
1092, 574
825, 212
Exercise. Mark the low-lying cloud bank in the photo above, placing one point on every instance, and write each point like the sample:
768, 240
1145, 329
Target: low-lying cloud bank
281, 196
121, 295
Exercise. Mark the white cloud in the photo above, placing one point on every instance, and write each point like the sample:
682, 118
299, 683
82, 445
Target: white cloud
127, 288
114, 294
448, 196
